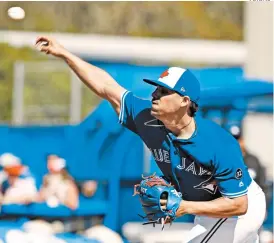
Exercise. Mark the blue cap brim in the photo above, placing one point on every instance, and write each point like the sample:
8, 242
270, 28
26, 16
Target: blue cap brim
157, 83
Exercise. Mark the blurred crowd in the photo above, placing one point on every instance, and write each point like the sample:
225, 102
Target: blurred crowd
18, 185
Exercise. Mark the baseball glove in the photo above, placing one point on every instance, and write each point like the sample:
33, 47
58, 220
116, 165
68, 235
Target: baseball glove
153, 191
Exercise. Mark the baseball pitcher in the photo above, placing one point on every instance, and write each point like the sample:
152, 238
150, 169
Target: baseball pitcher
203, 169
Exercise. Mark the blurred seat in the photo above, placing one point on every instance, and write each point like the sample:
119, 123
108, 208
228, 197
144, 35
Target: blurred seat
8, 226
215, 115
91, 206
74, 238
268, 223
15, 209
136, 232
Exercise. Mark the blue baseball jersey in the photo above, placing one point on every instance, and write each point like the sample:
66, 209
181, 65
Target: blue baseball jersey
204, 167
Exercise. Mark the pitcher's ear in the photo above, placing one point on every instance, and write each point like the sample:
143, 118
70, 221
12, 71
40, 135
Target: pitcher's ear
185, 101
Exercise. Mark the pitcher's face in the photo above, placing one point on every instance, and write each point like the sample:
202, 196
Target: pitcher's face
165, 102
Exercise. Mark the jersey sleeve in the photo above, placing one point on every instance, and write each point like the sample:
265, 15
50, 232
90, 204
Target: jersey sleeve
131, 107
231, 173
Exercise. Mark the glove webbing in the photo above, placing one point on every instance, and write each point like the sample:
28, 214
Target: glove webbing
157, 181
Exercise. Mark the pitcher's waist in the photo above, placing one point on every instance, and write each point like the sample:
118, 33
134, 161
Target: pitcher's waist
254, 188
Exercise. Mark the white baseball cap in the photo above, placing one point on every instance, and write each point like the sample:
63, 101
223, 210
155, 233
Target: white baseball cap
8, 160
58, 164
179, 80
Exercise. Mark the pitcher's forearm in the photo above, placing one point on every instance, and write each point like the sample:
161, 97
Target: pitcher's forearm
95, 78
220, 208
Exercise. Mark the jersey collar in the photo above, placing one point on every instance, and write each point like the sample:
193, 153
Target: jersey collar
180, 140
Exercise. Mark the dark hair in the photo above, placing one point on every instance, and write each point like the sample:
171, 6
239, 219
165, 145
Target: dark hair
192, 109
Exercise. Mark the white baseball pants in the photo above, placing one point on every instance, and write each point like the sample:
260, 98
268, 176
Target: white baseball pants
242, 229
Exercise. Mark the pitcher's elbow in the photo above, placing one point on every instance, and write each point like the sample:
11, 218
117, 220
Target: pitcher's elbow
242, 207
243, 210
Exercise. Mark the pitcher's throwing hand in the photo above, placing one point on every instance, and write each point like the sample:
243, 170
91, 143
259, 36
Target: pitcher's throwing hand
49, 45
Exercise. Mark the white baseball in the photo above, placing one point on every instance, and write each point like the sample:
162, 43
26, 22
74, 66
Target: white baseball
16, 13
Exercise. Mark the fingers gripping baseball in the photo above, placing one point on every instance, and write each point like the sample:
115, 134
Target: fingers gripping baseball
49, 45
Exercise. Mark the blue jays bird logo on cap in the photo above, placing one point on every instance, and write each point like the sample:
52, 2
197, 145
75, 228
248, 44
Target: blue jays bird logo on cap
164, 74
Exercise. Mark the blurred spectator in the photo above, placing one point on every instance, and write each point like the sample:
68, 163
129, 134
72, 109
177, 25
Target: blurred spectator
266, 235
58, 185
19, 186
3, 175
258, 173
103, 234
43, 227
88, 188
255, 168
37, 231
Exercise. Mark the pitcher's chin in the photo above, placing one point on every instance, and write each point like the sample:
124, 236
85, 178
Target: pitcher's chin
154, 114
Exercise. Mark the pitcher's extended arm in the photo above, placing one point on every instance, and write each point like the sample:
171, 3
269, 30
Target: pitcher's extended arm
99, 81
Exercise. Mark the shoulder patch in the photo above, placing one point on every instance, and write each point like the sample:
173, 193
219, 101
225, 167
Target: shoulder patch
238, 174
